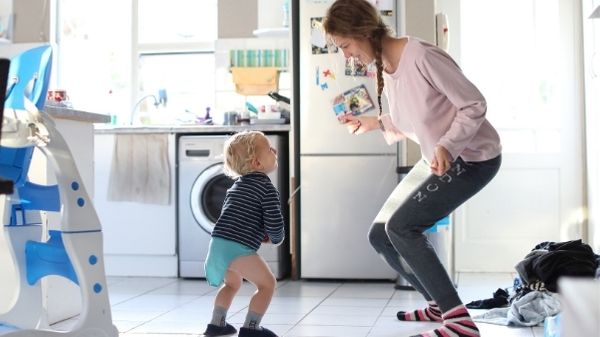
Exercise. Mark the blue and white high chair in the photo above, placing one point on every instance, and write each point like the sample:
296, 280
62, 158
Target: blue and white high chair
75, 251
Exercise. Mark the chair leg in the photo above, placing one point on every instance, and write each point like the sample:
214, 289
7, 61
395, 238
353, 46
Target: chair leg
26, 311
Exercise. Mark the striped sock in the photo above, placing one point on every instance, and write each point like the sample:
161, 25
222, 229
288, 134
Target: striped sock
431, 313
457, 323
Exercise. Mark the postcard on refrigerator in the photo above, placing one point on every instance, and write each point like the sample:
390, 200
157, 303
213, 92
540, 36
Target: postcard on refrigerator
355, 101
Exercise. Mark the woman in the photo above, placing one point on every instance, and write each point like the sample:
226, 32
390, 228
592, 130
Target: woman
432, 103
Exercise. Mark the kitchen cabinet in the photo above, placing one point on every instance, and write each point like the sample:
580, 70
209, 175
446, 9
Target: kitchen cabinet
139, 238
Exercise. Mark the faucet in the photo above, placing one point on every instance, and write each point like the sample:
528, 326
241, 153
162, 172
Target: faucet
161, 99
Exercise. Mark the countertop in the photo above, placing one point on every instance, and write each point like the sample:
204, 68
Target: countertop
194, 128
77, 115
102, 126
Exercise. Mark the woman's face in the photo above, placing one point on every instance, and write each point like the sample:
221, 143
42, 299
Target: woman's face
354, 47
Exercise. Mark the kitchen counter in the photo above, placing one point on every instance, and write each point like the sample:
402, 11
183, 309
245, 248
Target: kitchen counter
102, 129
76, 115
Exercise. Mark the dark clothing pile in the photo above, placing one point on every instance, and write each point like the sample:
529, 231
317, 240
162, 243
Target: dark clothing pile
499, 300
540, 270
550, 260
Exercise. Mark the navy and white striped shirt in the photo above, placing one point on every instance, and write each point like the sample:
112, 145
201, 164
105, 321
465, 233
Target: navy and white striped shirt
251, 209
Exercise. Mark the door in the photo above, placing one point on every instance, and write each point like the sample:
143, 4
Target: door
525, 58
341, 195
322, 81
591, 46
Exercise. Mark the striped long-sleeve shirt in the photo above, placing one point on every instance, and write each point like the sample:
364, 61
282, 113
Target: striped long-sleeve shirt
251, 210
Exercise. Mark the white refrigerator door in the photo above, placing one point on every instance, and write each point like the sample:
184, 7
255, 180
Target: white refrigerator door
320, 132
340, 196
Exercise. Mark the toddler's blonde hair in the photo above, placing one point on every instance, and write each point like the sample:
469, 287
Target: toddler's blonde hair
240, 150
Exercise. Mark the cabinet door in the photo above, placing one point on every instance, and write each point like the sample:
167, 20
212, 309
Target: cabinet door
340, 197
132, 228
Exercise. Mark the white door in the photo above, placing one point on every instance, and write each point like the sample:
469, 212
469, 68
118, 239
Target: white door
591, 45
524, 55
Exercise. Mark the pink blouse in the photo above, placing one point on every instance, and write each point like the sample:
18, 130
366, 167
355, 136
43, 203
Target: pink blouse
432, 102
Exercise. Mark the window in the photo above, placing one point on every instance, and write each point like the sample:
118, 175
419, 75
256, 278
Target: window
114, 56
93, 58
188, 79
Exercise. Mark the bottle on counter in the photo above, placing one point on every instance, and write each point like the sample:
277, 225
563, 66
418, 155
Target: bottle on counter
111, 107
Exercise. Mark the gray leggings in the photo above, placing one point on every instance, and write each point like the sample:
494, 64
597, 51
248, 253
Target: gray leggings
418, 202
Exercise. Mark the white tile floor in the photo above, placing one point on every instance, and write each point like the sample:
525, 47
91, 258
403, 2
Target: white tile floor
149, 307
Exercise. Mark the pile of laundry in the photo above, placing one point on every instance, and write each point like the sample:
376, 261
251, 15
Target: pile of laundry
533, 296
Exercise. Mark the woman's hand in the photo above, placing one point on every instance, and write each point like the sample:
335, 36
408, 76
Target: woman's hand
359, 125
441, 160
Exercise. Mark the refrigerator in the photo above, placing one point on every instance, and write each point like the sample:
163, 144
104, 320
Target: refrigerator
344, 178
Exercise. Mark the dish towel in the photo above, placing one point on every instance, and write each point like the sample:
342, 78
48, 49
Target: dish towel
140, 170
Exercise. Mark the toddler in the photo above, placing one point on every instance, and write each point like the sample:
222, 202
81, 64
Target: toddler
251, 215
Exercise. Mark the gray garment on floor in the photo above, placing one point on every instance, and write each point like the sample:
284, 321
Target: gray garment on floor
529, 310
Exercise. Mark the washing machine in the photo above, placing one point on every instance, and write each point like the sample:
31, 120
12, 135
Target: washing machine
201, 191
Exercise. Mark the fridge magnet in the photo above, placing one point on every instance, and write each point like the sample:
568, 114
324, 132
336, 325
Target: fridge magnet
354, 67
355, 101
317, 76
324, 86
318, 40
328, 73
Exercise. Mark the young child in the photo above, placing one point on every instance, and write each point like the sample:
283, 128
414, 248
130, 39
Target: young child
251, 214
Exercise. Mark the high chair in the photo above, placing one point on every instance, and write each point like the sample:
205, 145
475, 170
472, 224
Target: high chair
73, 252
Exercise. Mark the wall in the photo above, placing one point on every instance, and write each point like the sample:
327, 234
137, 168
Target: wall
31, 21
591, 46
233, 35
237, 18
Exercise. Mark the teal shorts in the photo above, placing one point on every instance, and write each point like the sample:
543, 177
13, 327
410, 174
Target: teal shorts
221, 252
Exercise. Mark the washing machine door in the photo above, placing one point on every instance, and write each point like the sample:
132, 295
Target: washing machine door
207, 195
